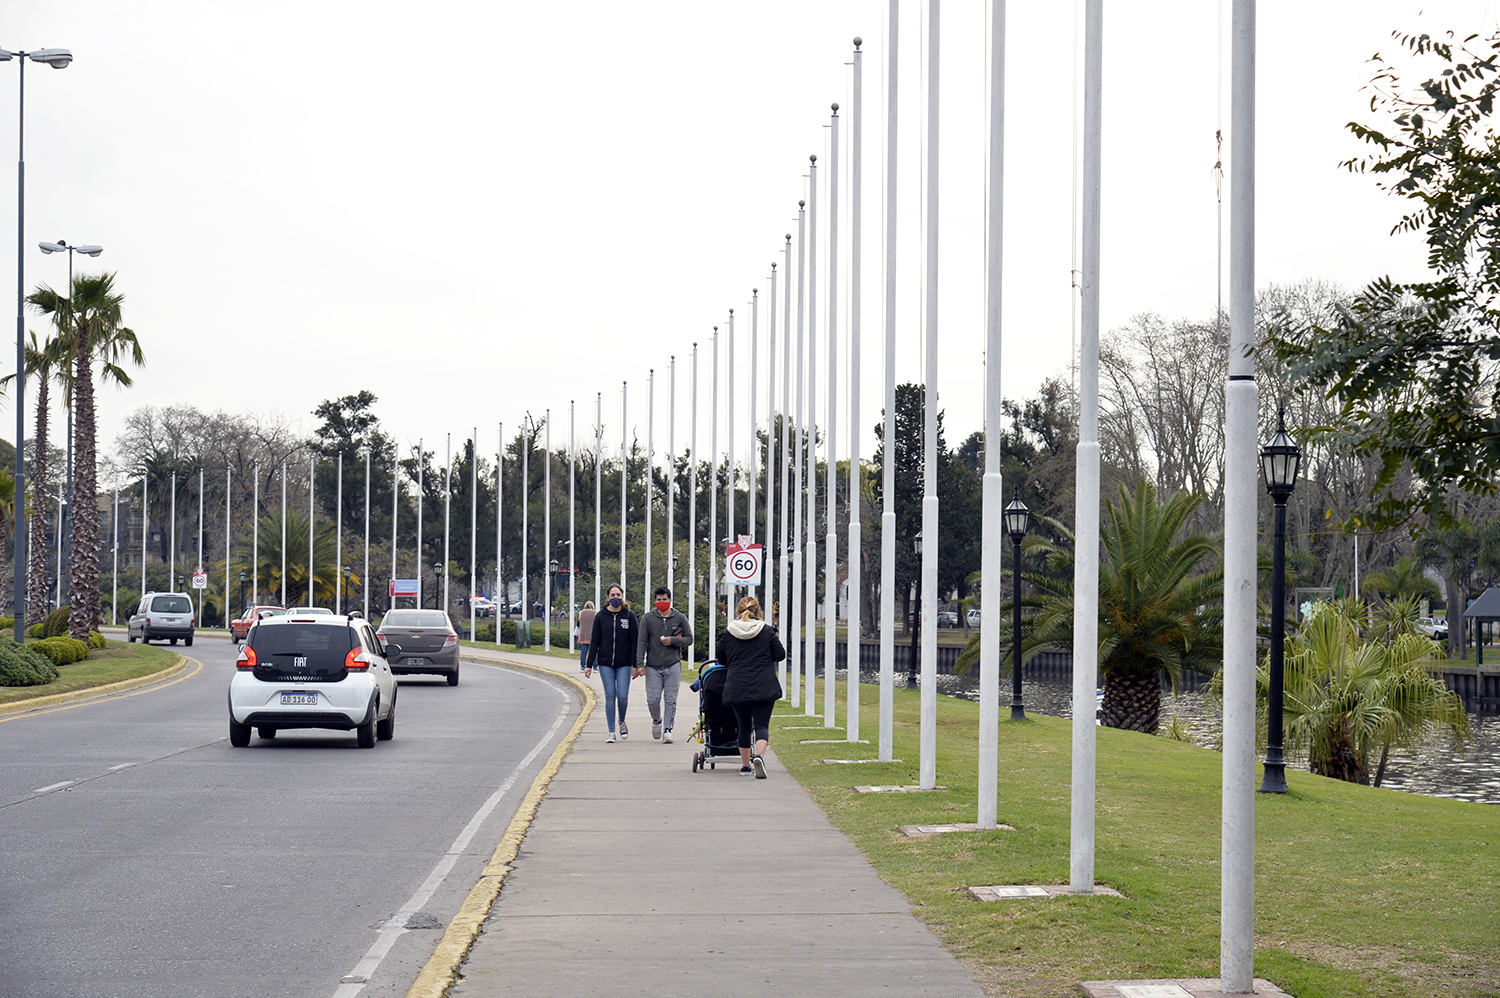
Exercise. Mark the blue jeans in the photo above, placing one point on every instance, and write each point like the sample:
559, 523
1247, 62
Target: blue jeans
583, 654
616, 691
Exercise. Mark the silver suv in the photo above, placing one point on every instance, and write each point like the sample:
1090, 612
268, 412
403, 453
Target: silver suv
162, 615
313, 671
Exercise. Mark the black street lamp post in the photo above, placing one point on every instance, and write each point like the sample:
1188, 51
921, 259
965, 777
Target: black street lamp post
551, 585
243, 604
1017, 523
916, 619
437, 599
1278, 462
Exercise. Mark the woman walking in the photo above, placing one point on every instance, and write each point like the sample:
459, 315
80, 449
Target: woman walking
749, 650
612, 652
585, 631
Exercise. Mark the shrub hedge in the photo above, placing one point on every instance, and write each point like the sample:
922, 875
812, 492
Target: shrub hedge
56, 623
62, 650
22, 666
96, 640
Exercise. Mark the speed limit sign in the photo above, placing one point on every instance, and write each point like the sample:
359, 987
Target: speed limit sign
200, 580
742, 564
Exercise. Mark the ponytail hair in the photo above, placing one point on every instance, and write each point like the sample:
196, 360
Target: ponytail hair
748, 608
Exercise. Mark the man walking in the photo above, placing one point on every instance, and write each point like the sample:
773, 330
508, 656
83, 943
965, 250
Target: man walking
664, 634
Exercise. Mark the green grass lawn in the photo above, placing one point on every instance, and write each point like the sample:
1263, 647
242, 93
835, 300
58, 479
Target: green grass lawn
1359, 892
113, 663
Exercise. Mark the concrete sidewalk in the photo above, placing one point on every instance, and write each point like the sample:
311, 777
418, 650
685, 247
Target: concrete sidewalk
639, 877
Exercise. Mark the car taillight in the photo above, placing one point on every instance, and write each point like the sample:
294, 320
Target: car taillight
450, 641
246, 659
357, 659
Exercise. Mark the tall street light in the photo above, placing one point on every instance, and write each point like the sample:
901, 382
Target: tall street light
48, 249
1017, 523
916, 620
1278, 463
57, 59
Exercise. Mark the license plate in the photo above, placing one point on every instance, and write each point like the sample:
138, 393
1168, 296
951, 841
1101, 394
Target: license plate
416, 660
288, 699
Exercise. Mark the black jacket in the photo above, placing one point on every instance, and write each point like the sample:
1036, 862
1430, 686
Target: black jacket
750, 663
614, 637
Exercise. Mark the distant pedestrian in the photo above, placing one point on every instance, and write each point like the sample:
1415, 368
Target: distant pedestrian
664, 634
612, 652
585, 632
749, 650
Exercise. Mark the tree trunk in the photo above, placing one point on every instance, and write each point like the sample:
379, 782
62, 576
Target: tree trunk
84, 571
36, 571
1132, 703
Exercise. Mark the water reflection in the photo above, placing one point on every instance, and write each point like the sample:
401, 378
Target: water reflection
1435, 768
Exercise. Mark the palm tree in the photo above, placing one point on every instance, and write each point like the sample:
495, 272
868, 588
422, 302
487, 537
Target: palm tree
44, 362
1160, 596
7, 516
1349, 699
269, 559
92, 318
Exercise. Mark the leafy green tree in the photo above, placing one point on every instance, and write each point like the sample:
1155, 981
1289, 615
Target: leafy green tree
1412, 365
1403, 580
268, 558
1160, 595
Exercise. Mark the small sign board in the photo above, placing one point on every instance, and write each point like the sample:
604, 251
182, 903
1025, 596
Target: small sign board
742, 563
404, 587
200, 580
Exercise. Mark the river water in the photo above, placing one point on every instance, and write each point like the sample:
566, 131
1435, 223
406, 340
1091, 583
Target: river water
1436, 768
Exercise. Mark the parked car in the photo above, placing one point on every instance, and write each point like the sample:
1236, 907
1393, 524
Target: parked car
483, 606
973, 617
327, 671
240, 626
162, 615
1437, 630
947, 618
428, 642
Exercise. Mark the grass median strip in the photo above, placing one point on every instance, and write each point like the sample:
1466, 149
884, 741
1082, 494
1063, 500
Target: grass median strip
116, 662
1359, 892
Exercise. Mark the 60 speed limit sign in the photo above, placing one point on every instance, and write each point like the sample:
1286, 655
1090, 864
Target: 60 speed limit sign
742, 565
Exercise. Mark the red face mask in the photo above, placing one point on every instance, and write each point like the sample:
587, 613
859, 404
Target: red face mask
663, 606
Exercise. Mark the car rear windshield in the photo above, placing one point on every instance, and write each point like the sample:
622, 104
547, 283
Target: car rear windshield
415, 618
171, 604
303, 639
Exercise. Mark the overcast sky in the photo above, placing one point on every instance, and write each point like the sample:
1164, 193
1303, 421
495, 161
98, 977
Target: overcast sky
480, 210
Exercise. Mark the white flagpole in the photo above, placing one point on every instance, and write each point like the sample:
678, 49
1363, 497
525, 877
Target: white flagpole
650, 463
528, 430
447, 514
811, 552
202, 592
312, 521
930, 545
365, 577
624, 472
114, 599
731, 534
671, 473
502, 598
421, 461
228, 536
338, 532
474, 533
831, 536
572, 523
993, 527
888, 434
1086, 565
1237, 917
693, 507
547, 533
145, 532
768, 563
714, 551
785, 457
283, 533
395, 519
753, 462
797, 631
255, 536
171, 541
856, 490
598, 490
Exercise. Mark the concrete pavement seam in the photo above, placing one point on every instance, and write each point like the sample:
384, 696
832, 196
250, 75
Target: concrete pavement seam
37, 703
449, 954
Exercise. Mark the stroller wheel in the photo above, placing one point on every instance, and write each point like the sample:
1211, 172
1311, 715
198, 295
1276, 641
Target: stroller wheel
695, 762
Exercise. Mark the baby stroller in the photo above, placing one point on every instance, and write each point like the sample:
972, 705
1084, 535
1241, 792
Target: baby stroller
718, 729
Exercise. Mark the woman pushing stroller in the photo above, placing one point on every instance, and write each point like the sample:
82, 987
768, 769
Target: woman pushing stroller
749, 650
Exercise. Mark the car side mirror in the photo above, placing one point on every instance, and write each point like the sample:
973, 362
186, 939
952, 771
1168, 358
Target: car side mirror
392, 652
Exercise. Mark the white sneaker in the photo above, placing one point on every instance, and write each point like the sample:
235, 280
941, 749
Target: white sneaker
611, 739
655, 729
624, 731
666, 736
759, 766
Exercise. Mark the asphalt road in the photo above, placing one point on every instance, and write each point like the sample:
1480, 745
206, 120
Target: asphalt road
141, 856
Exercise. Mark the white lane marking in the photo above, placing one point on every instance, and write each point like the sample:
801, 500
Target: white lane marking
123, 765
55, 786
395, 926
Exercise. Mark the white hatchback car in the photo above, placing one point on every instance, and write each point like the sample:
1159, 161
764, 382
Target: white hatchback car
313, 671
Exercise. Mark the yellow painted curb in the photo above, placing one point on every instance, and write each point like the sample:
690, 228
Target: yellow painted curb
37, 703
438, 975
